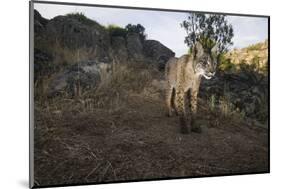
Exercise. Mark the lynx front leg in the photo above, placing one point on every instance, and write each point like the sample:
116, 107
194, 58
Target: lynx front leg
181, 110
193, 105
169, 92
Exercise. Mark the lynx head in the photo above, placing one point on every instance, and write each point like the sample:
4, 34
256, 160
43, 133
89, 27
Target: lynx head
205, 62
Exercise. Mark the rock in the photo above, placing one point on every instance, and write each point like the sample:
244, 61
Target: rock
86, 74
119, 49
73, 32
135, 47
157, 52
42, 63
64, 35
247, 93
64, 41
39, 23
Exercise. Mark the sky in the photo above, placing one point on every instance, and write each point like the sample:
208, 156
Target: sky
162, 26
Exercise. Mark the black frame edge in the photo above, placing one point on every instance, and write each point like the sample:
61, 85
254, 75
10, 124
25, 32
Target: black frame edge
268, 62
31, 94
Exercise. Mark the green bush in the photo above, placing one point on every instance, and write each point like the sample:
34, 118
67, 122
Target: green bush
226, 65
82, 18
212, 103
115, 31
139, 29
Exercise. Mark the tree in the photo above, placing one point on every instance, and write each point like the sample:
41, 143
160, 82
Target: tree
139, 29
209, 29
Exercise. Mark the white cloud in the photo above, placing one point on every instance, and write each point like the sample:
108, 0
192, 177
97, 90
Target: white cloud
248, 30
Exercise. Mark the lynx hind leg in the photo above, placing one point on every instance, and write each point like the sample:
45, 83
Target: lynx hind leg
193, 106
181, 110
169, 95
173, 102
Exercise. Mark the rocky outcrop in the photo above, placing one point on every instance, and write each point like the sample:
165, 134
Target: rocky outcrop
135, 47
72, 33
77, 78
64, 42
119, 49
245, 88
246, 91
157, 52
43, 65
39, 23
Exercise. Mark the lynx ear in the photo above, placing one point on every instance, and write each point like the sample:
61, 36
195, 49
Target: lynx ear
215, 49
198, 49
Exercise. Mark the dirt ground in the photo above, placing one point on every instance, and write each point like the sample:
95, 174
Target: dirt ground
139, 142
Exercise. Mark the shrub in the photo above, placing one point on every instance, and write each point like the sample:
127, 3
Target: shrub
139, 29
226, 64
115, 31
212, 103
226, 107
82, 18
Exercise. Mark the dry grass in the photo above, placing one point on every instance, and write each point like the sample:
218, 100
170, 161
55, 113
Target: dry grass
65, 56
112, 93
227, 109
220, 112
119, 131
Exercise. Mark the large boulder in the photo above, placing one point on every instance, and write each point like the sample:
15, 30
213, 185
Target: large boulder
78, 32
39, 23
85, 75
247, 92
119, 49
135, 47
157, 52
42, 64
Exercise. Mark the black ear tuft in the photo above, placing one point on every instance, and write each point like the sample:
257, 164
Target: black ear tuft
198, 49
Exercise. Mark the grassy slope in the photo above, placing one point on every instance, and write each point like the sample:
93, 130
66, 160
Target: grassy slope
120, 132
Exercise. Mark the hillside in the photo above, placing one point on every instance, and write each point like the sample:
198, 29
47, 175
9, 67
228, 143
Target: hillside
66, 45
242, 79
253, 54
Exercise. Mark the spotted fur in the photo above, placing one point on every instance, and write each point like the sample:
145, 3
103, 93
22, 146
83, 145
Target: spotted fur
183, 77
